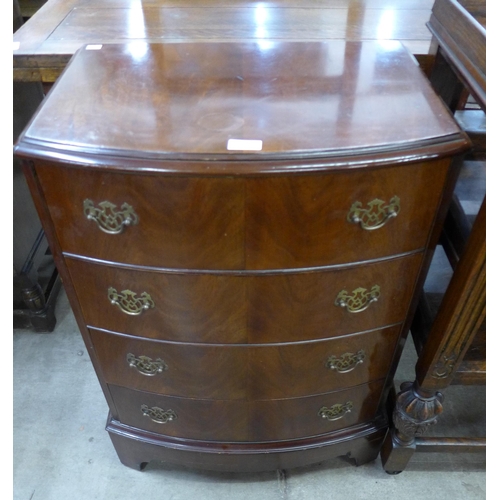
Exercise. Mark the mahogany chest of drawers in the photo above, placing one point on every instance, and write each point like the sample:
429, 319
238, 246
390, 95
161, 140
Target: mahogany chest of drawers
242, 230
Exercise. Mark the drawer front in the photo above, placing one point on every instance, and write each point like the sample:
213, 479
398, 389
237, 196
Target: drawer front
173, 221
295, 370
245, 309
244, 421
272, 222
187, 370
211, 420
244, 372
187, 307
306, 306
310, 416
306, 221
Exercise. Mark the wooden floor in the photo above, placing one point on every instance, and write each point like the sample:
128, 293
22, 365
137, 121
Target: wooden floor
43, 46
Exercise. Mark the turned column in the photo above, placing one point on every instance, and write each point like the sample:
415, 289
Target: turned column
461, 312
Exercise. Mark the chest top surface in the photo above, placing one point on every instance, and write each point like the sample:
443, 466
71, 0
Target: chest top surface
192, 101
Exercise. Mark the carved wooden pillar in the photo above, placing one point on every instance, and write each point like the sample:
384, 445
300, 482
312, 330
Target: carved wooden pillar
462, 311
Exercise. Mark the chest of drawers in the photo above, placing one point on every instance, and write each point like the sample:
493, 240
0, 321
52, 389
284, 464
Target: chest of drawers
242, 229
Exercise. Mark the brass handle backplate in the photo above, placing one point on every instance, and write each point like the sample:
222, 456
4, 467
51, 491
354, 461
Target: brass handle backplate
376, 215
158, 415
347, 362
335, 412
107, 218
146, 365
359, 300
129, 302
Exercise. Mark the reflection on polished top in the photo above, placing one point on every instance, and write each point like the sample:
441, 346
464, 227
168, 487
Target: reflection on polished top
287, 99
43, 46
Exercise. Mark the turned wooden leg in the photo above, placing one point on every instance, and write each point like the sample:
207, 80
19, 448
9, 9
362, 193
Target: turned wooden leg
415, 411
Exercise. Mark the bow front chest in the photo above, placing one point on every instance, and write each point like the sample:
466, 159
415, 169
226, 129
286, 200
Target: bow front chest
242, 230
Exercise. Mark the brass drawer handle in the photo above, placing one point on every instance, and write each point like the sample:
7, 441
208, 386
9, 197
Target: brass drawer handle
158, 415
108, 219
360, 299
335, 412
146, 365
376, 215
128, 301
347, 362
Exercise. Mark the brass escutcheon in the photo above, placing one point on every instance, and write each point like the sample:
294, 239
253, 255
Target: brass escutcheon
158, 415
347, 362
129, 303
108, 219
376, 215
146, 365
335, 412
360, 299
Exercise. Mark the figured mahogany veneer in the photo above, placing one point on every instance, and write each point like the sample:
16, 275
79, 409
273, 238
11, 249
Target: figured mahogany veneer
248, 421
246, 308
228, 308
251, 223
254, 371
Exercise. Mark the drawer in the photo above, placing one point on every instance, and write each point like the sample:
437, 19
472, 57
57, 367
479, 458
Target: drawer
187, 307
270, 222
304, 221
243, 421
317, 367
310, 416
244, 372
211, 420
255, 309
180, 221
188, 370
303, 306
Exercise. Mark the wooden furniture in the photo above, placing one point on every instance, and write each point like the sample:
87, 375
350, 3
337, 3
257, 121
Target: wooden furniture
45, 44
36, 283
242, 231
61, 27
451, 335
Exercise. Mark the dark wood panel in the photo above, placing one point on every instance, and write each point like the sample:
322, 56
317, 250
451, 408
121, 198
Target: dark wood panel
294, 370
211, 420
298, 417
192, 371
242, 421
303, 221
296, 221
136, 448
182, 222
246, 309
254, 372
188, 307
301, 306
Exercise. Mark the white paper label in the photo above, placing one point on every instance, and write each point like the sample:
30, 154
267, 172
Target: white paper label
244, 145
93, 47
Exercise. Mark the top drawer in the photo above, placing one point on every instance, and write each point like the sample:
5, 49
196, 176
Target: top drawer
266, 222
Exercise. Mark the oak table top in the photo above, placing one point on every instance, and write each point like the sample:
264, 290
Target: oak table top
44, 45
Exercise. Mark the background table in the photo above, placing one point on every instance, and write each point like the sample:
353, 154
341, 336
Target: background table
46, 43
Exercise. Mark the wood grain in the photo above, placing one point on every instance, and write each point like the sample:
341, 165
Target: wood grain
183, 222
61, 27
243, 421
245, 372
235, 309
